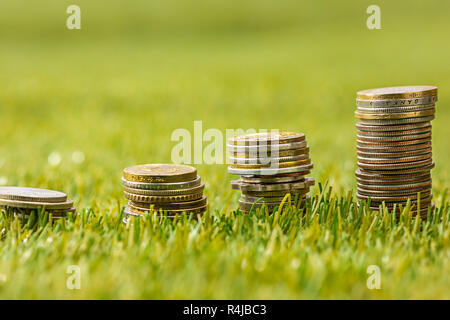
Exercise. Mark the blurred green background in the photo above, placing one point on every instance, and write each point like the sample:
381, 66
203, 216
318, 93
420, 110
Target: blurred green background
114, 91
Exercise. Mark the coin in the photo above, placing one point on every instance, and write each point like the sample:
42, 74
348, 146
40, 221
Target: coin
274, 164
395, 109
395, 116
424, 196
394, 155
394, 160
273, 179
268, 160
162, 199
32, 194
267, 138
283, 153
380, 122
276, 186
169, 206
255, 149
163, 173
270, 194
402, 92
34, 205
385, 143
391, 139
399, 186
270, 171
397, 102
132, 211
394, 148
425, 129
162, 186
399, 127
161, 193
395, 166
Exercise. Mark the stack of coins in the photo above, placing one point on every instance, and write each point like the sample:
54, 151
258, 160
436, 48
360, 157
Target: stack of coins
394, 146
270, 165
23, 201
167, 189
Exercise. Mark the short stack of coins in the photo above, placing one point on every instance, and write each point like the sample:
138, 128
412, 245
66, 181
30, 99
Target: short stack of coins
271, 165
167, 189
394, 146
23, 201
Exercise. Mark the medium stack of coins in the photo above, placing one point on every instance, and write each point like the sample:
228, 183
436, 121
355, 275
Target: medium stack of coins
167, 189
270, 165
23, 201
394, 146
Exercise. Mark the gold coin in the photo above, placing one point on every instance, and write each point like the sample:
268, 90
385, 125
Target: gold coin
169, 206
154, 173
170, 212
402, 92
162, 193
267, 138
35, 205
281, 153
393, 116
279, 165
162, 199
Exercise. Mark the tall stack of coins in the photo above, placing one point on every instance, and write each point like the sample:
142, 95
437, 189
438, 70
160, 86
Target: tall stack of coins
20, 200
270, 165
394, 146
166, 188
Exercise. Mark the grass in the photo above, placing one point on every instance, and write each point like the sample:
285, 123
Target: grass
117, 89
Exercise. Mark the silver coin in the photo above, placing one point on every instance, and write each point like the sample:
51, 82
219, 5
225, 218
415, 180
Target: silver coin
387, 122
394, 160
397, 102
267, 160
396, 138
275, 186
256, 149
35, 205
32, 194
400, 186
392, 128
395, 166
296, 178
269, 171
161, 186
395, 109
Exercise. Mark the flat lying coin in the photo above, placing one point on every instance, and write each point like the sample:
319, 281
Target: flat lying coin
394, 155
169, 206
425, 196
277, 186
272, 179
267, 138
394, 160
395, 109
34, 205
131, 210
32, 194
268, 148
397, 102
400, 187
268, 154
392, 139
271, 194
151, 173
268, 160
395, 148
162, 186
424, 129
163, 199
402, 92
395, 166
273, 165
391, 122
162, 193
382, 128
384, 143
269, 171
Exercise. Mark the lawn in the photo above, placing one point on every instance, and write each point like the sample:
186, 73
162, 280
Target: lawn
78, 106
